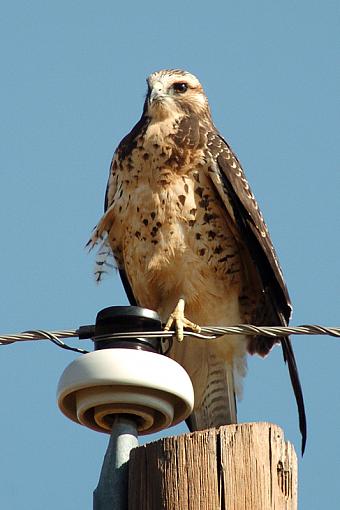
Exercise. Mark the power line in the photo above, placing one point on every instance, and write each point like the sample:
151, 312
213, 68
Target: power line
207, 333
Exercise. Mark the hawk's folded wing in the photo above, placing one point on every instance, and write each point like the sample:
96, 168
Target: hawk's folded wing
232, 187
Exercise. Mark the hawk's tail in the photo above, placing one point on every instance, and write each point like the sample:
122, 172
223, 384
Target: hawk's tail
218, 404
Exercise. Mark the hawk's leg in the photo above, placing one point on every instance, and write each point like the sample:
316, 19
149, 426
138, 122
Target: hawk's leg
177, 318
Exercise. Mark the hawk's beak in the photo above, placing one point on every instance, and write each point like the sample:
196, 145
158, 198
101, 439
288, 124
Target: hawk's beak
156, 92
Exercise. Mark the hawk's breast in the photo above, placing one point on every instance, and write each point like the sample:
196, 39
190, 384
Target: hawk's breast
174, 236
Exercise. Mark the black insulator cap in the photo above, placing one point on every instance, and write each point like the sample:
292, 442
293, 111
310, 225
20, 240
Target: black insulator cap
124, 319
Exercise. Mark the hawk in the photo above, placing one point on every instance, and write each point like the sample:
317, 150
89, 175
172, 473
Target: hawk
189, 240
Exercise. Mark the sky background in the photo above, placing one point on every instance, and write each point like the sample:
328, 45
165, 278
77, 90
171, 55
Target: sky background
72, 85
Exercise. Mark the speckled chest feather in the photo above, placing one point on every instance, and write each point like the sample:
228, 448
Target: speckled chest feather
167, 221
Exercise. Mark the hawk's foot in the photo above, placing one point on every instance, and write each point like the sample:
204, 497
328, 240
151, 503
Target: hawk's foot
177, 318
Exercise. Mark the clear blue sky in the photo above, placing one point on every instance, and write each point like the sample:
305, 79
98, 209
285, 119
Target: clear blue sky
72, 84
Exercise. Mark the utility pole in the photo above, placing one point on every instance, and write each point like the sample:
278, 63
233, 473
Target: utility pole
247, 466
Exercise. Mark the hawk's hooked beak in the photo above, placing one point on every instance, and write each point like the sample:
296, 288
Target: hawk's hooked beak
156, 93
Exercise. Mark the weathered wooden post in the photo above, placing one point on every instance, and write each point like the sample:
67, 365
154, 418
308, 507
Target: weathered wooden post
236, 467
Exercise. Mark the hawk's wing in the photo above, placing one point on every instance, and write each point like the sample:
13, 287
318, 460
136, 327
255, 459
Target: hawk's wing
233, 189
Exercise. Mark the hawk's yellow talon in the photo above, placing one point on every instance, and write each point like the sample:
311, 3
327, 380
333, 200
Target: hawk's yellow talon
177, 318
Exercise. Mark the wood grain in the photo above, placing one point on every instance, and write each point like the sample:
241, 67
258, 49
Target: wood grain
236, 467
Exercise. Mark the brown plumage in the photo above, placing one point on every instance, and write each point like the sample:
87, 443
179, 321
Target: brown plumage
184, 227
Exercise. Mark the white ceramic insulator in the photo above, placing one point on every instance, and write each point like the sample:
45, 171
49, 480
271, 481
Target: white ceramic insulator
153, 388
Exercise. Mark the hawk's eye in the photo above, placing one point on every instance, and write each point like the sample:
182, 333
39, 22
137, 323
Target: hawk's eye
180, 87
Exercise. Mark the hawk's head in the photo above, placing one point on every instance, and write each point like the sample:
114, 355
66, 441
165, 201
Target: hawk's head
172, 92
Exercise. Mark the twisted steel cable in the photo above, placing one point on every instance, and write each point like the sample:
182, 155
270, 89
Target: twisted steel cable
207, 333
